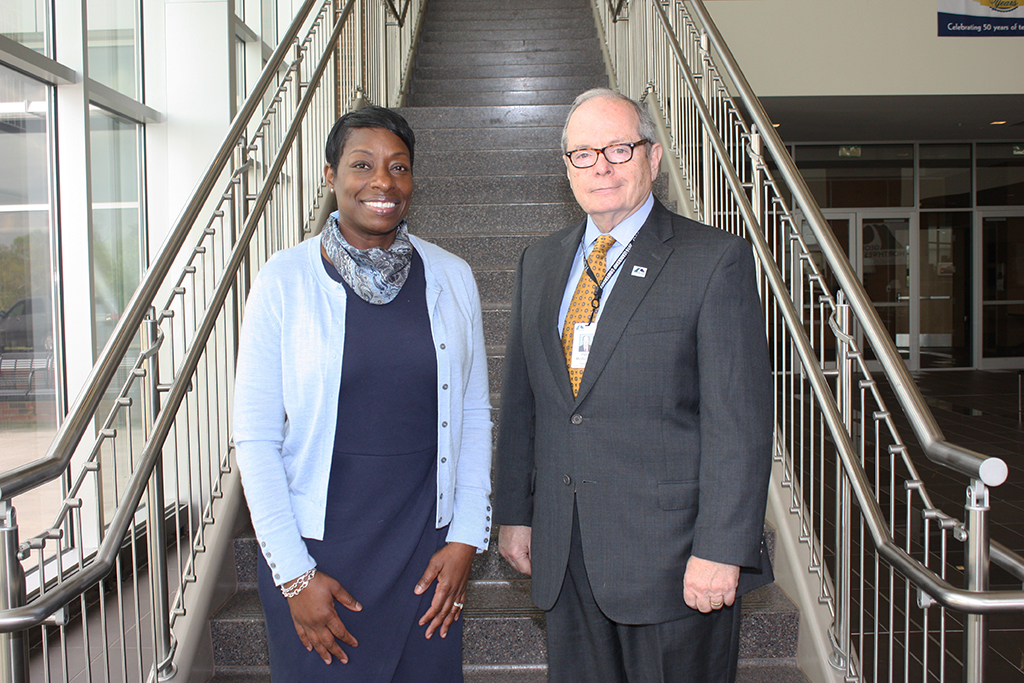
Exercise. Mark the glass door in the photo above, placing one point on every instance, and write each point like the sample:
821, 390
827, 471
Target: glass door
944, 270
1002, 290
919, 279
884, 253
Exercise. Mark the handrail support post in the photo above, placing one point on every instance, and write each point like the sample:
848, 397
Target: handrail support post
157, 535
13, 646
976, 568
844, 499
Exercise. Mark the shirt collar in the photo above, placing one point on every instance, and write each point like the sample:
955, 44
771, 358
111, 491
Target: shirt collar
625, 231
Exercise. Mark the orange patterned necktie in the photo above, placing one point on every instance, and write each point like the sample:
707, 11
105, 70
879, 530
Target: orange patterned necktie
581, 306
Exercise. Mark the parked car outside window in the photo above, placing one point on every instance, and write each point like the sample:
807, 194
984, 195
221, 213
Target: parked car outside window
26, 325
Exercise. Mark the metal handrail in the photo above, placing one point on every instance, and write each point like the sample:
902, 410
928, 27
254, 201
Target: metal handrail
78, 420
856, 499
992, 471
946, 594
20, 618
268, 171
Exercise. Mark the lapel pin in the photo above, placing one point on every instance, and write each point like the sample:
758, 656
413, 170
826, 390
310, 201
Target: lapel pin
639, 271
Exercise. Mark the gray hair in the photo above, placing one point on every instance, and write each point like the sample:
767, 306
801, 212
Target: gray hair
646, 126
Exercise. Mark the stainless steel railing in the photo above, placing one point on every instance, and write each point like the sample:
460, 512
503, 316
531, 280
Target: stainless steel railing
111, 574
883, 556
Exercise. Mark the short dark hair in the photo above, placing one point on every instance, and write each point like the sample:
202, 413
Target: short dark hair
367, 117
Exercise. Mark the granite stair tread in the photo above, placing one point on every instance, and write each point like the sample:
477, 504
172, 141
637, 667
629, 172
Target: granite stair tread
441, 118
454, 37
517, 44
494, 57
525, 25
462, 85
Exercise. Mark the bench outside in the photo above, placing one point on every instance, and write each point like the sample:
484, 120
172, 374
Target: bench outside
26, 373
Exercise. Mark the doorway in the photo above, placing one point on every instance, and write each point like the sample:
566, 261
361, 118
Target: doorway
916, 268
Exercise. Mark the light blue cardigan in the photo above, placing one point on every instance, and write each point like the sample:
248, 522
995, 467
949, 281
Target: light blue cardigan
286, 400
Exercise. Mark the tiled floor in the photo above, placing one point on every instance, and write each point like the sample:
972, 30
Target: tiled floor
980, 410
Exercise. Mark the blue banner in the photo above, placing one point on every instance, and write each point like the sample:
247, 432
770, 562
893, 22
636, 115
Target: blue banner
983, 18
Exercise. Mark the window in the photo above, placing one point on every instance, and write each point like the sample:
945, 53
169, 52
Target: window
945, 176
25, 22
116, 247
28, 378
113, 46
851, 176
1001, 174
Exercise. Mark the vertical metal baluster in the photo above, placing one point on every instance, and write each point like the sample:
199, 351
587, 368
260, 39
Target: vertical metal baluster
157, 536
13, 646
844, 399
976, 567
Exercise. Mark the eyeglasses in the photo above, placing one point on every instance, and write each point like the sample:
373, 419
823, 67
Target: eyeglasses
618, 153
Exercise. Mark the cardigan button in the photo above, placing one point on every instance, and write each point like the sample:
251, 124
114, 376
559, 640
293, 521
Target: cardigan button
567, 480
577, 419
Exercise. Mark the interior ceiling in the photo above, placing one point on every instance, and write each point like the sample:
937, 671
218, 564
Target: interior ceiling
897, 118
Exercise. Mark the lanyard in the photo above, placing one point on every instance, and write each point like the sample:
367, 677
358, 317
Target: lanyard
595, 303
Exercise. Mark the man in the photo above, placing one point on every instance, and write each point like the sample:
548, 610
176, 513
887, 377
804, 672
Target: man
632, 474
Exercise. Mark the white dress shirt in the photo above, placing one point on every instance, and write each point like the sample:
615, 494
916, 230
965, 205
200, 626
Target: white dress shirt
623, 233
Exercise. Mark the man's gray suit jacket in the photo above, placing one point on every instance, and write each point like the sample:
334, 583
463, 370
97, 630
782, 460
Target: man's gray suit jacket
667, 447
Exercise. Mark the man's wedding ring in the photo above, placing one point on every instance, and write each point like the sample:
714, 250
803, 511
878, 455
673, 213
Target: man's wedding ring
457, 604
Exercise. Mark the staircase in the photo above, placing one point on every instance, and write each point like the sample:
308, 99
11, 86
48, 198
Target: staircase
491, 90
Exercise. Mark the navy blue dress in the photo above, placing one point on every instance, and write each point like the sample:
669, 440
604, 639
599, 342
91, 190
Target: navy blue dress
379, 531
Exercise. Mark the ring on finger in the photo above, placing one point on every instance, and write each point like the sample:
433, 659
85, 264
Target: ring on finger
457, 604
718, 604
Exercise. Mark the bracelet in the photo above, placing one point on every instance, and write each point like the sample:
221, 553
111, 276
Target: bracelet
299, 584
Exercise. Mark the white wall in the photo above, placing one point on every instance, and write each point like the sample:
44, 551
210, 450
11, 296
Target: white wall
188, 70
862, 47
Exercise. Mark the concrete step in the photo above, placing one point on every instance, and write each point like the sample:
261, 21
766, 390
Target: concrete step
749, 672
238, 632
484, 139
512, 44
524, 674
460, 13
503, 630
460, 70
487, 252
491, 98
535, 219
451, 163
497, 189
491, 23
495, 320
473, 59
495, 285
502, 33
477, 7
475, 85
489, 117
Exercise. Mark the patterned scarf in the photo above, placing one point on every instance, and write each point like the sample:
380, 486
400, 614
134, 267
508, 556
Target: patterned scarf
375, 274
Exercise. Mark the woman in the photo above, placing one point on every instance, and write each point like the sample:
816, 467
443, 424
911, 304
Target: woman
362, 430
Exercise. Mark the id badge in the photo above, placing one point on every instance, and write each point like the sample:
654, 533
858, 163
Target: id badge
582, 338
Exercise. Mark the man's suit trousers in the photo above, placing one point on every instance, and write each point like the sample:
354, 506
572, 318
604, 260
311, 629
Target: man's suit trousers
584, 646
